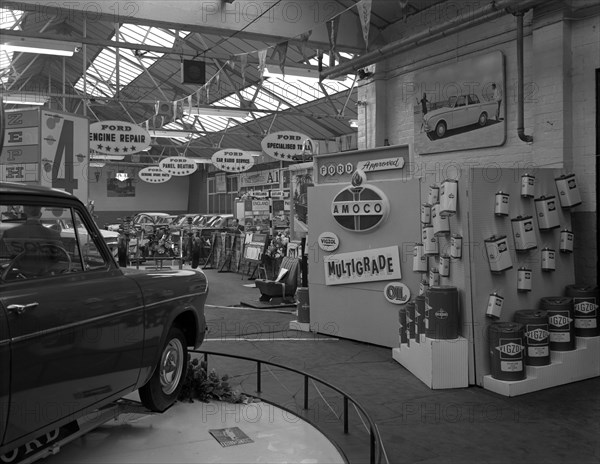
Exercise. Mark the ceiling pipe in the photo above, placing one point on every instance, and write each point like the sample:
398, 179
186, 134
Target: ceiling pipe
520, 96
481, 15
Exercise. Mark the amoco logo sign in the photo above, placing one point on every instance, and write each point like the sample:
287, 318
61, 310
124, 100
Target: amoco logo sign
361, 207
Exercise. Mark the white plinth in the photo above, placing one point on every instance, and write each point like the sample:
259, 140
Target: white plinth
437, 363
565, 367
302, 326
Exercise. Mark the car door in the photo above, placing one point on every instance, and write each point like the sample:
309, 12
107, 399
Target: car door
76, 335
460, 114
5, 372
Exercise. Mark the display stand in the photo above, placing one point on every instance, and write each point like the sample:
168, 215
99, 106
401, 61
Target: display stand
213, 245
565, 367
254, 252
437, 363
229, 252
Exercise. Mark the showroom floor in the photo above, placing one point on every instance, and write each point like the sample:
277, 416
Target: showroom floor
203, 433
417, 424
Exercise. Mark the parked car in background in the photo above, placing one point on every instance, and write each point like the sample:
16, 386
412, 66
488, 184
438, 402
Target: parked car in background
142, 220
461, 111
221, 221
76, 331
65, 227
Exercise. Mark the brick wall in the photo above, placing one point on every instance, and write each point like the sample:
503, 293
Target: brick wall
561, 55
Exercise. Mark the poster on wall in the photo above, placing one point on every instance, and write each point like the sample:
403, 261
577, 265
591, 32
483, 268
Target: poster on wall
461, 106
120, 188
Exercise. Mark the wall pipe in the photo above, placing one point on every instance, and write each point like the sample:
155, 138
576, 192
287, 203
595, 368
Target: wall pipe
520, 97
488, 12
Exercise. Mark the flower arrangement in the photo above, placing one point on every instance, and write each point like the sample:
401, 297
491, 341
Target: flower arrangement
278, 246
205, 386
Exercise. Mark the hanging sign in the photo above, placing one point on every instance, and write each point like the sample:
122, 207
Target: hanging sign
362, 266
232, 160
118, 137
288, 146
178, 166
154, 175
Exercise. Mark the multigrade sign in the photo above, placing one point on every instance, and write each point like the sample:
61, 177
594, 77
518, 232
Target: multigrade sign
118, 137
363, 266
232, 160
361, 207
288, 146
178, 166
154, 175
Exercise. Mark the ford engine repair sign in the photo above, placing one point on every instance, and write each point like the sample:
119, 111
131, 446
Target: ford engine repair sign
363, 266
361, 207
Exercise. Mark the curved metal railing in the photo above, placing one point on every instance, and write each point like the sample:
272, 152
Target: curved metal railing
376, 444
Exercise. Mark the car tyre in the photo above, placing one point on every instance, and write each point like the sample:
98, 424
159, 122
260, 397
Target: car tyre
483, 117
166, 382
440, 129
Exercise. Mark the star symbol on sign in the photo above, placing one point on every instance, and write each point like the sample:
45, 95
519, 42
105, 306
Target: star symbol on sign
125, 149
116, 149
289, 156
100, 146
276, 153
107, 148
133, 148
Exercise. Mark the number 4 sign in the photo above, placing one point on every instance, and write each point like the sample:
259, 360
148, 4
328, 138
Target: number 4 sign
65, 147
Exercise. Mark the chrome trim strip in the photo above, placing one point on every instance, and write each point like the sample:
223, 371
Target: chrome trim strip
96, 319
72, 325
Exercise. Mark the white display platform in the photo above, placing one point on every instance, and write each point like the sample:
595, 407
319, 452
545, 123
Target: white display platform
565, 367
302, 326
437, 363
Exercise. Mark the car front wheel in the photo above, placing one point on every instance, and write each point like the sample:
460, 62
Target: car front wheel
440, 129
166, 382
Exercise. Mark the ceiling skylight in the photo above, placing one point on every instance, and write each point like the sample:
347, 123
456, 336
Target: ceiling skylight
101, 75
9, 19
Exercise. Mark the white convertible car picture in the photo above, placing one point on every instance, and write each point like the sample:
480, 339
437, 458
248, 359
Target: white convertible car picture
460, 112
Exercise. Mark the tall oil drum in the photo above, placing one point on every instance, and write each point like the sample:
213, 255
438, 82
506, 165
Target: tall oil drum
410, 319
537, 337
419, 316
441, 310
303, 304
585, 309
560, 322
507, 350
402, 330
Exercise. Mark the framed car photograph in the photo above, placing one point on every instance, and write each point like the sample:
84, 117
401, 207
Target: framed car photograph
461, 106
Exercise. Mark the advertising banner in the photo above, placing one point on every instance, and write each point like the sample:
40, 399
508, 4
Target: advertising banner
65, 152
362, 266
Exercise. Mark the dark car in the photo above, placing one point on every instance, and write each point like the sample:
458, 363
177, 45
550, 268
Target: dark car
76, 331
